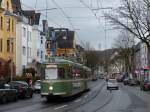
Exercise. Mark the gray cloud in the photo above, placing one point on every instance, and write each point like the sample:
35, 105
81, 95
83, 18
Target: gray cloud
90, 29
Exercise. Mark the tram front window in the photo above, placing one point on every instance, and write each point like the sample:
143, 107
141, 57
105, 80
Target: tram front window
51, 73
61, 73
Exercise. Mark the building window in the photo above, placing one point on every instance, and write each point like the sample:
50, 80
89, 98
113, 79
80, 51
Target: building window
41, 40
12, 47
24, 32
41, 54
8, 45
12, 25
7, 5
27, 35
8, 24
24, 50
38, 53
1, 23
29, 52
1, 45
30, 35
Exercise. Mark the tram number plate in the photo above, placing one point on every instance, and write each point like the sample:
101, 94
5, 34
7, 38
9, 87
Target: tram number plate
76, 84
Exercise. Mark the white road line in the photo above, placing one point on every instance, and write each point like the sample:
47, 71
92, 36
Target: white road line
60, 107
85, 96
77, 100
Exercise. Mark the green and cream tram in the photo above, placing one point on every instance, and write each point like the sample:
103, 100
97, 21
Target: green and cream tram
64, 78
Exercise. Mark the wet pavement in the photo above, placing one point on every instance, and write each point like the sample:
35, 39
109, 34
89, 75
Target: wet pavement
98, 99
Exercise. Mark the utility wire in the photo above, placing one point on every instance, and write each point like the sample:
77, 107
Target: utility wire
42, 15
66, 16
63, 12
35, 4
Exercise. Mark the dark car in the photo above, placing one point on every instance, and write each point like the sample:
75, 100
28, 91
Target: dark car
145, 86
7, 94
133, 82
126, 81
120, 78
23, 88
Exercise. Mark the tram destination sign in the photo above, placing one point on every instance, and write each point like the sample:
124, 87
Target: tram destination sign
51, 66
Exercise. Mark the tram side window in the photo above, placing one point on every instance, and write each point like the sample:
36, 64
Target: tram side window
70, 73
84, 74
61, 73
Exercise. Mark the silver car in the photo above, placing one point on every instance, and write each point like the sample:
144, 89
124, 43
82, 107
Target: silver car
112, 84
37, 86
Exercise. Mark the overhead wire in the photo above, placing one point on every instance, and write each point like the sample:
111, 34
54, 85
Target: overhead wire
29, 7
63, 12
66, 16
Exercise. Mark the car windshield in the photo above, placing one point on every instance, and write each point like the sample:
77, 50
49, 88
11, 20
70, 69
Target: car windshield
112, 81
38, 83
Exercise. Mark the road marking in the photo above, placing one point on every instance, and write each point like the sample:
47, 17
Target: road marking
60, 107
85, 96
77, 100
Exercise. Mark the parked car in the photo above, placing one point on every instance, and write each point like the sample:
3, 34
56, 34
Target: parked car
126, 81
112, 84
120, 78
145, 86
37, 86
133, 82
101, 76
7, 94
23, 88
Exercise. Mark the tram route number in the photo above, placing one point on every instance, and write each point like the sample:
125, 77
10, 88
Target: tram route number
76, 84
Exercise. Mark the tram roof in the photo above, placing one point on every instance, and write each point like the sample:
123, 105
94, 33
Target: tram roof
59, 60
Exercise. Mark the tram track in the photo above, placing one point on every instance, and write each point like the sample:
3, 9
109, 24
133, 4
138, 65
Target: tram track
87, 101
103, 105
27, 105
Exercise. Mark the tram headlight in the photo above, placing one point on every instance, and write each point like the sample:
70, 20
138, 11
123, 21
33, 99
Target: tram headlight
51, 88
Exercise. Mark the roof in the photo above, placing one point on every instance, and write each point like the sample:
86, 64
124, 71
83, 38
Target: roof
35, 17
59, 60
16, 4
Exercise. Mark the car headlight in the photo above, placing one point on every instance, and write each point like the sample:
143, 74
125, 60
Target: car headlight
51, 88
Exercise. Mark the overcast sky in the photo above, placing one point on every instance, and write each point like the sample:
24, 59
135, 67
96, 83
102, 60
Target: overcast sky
87, 27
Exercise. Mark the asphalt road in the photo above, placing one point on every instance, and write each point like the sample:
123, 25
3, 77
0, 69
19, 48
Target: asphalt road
98, 99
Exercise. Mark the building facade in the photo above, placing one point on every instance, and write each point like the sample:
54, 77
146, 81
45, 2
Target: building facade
66, 43
7, 36
30, 44
24, 45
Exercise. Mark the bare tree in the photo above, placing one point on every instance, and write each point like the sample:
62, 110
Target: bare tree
124, 40
137, 15
91, 57
124, 43
87, 46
